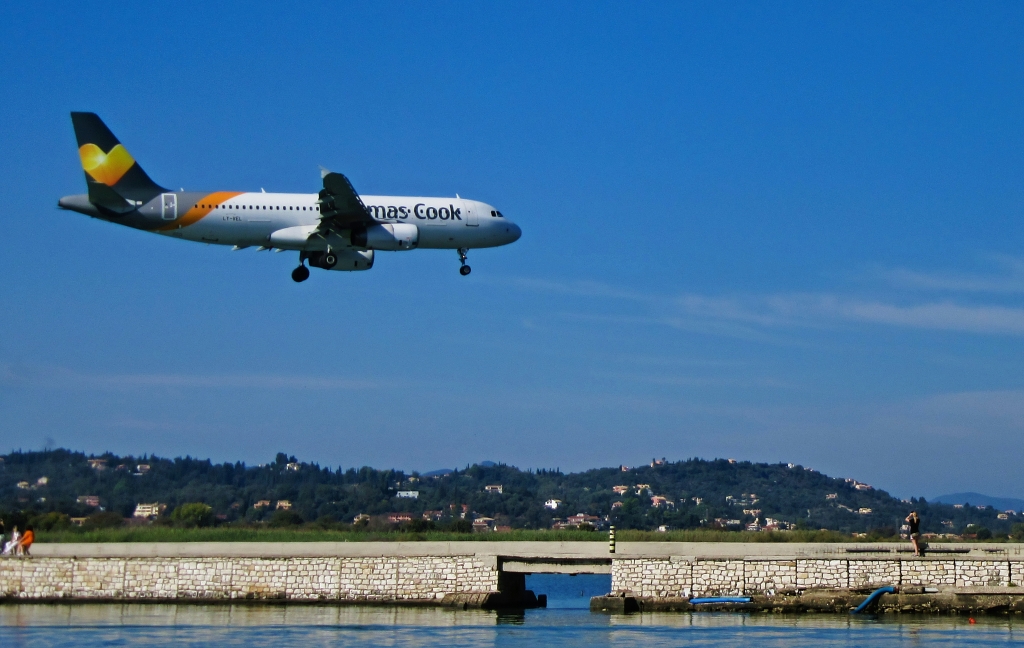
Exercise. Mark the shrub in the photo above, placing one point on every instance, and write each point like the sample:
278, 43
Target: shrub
976, 531
193, 514
460, 526
51, 521
103, 520
285, 518
1017, 532
419, 526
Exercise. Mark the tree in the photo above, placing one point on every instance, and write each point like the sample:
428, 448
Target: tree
193, 514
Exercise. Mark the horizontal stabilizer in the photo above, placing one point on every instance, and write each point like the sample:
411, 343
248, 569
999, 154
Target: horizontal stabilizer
103, 196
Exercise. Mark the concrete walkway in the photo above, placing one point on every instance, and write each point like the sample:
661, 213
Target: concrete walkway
587, 551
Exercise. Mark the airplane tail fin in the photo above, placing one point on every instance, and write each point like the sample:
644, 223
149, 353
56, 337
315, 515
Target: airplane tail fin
115, 179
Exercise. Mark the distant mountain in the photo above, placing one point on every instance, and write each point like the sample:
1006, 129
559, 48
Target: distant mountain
441, 472
977, 499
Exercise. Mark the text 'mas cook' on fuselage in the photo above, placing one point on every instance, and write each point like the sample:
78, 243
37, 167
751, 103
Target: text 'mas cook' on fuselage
335, 229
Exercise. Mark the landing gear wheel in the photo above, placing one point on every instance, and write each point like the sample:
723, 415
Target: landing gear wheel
465, 270
300, 274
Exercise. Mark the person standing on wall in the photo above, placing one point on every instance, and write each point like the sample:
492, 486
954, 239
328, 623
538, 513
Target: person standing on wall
914, 524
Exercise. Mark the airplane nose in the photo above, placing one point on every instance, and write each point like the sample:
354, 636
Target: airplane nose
513, 232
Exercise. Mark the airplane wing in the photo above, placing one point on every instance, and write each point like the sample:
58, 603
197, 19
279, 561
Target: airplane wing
340, 205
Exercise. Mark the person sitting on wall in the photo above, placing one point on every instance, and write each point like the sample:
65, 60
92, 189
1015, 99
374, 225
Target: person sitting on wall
914, 527
26, 541
12, 544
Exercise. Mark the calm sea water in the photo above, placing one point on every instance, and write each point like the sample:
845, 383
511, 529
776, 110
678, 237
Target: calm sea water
566, 622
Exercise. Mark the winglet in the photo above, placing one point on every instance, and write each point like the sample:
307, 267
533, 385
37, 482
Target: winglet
324, 172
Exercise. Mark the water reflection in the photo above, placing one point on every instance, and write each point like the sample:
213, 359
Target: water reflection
87, 625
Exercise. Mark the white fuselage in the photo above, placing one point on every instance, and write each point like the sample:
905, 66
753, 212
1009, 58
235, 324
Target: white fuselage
248, 219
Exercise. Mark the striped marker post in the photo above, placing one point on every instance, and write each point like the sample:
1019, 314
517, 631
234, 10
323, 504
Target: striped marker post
611, 539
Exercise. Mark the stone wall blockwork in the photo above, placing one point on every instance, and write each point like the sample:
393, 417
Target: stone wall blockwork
663, 577
980, 573
768, 576
822, 574
98, 577
155, 578
378, 578
718, 577
934, 573
874, 573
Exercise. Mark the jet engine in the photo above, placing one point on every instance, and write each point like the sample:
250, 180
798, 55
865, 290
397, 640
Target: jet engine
387, 236
345, 260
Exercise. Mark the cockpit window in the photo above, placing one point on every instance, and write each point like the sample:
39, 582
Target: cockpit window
499, 215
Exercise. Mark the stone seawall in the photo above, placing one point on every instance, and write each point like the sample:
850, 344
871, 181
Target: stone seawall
493, 573
359, 579
681, 577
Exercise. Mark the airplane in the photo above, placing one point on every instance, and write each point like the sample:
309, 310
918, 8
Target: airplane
335, 229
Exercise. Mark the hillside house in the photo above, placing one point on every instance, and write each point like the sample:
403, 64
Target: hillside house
98, 464
283, 505
659, 501
149, 510
620, 490
575, 521
552, 504
433, 515
832, 496
408, 494
494, 488
89, 500
261, 504
398, 518
292, 466
864, 511
483, 524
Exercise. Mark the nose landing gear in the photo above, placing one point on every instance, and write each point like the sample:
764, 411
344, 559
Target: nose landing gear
465, 269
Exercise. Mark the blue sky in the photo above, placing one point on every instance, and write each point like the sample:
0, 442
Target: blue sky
768, 231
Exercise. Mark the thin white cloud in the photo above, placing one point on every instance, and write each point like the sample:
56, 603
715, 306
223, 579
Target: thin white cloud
817, 310
750, 316
62, 377
1008, 280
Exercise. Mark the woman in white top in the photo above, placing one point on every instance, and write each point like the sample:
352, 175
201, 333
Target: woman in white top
14, 542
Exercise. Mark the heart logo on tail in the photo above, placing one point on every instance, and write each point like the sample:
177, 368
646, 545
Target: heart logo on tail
107, 168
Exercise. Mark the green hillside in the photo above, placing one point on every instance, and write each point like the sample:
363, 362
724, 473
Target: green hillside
699, 494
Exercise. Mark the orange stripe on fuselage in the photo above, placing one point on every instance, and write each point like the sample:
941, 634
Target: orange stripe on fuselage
206, 205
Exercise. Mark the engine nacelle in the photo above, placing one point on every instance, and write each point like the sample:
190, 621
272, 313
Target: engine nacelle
387, 236
344, 260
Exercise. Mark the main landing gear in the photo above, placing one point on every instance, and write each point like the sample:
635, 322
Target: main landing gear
300, 274
465, 269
